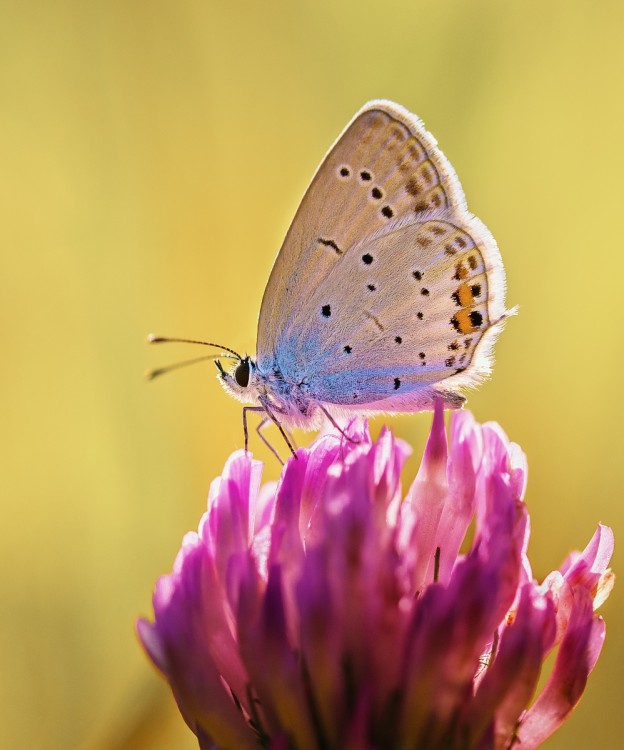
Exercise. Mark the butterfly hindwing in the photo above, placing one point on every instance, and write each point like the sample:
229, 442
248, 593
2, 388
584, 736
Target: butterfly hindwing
404, 311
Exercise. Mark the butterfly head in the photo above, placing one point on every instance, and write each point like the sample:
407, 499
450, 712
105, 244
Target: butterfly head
242, 381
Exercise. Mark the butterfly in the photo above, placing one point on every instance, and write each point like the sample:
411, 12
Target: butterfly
386, 294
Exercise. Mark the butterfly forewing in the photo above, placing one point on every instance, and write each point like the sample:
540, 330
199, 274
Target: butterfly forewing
385, 284
385, 165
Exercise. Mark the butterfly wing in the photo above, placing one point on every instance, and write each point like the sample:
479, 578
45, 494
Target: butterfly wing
383, 264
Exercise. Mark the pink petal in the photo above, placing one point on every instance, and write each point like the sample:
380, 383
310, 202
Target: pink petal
227, 529
587, 567
287, 548
463, 464
449, 633
510, 680
425, 502
178, 644
274, 668
576, 658
321, 628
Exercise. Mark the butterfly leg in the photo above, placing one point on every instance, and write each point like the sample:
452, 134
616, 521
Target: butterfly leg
276, 421
245, 429
259, 429
291, 438
335, 424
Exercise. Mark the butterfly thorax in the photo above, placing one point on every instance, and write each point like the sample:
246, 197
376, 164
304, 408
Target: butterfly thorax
270, 388
286, 394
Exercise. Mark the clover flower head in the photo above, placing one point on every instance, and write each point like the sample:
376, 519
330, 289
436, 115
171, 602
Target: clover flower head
330, 611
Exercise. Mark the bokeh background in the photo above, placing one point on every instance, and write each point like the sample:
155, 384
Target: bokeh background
152, 154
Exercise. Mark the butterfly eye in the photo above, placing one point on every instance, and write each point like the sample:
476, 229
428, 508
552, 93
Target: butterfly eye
241, 374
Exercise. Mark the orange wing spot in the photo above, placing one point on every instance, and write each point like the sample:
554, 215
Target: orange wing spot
463, 322
428, 174
463, 296
412, 186
436, 197
460, 271
377, 120
397, 137
423, 241
413, 154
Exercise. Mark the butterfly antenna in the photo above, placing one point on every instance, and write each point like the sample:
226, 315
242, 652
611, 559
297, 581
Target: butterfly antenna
154, 339
152, 374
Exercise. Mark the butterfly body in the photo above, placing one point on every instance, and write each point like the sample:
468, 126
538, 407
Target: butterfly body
387, 292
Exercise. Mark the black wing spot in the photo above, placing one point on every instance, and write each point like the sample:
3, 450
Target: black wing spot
345, 171
397, 384
449, 361
387, 212
398, 339
476, 318
454, 346
330, 243
475, 290
347, 349
376, 193
417, 275
326, 311
419, 316
422, 355
367, 258
365, 175
424, 292
371, 287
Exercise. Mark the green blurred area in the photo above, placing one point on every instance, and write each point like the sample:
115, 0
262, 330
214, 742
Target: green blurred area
152, 155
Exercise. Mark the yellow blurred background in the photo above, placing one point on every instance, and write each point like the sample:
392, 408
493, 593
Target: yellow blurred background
152, 155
